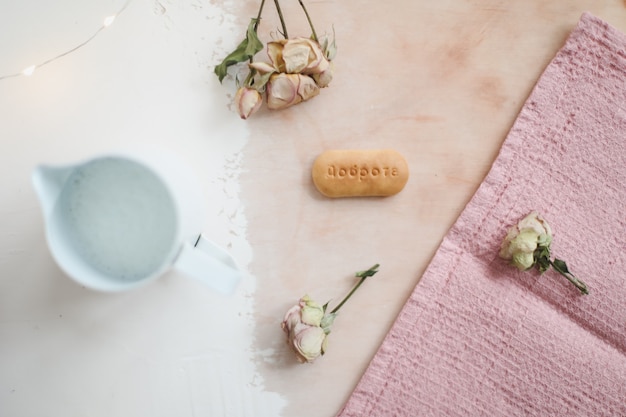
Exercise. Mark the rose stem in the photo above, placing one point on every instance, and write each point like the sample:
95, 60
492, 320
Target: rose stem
363, 275
248, 81
582, 287
282, 20
309, 19
258, 16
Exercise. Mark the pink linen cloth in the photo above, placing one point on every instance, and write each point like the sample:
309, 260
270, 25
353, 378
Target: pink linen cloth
478, 337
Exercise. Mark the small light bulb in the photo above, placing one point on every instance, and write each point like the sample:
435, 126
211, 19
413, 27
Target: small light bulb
108, 21
29, 70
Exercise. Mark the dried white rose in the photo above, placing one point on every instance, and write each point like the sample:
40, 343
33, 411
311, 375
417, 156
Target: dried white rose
527, 244
297, 55
524, 238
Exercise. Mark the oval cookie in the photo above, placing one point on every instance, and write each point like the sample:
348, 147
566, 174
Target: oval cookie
358, 173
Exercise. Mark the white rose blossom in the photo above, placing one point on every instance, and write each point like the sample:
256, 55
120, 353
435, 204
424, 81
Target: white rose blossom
523, 239
527, 244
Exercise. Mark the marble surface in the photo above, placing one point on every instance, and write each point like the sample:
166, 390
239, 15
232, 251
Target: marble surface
441, 82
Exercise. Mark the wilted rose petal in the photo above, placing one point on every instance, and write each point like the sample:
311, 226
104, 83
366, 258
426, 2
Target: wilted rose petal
275, 54
307, 87
284, 90
297, 55
292, 318
325, 77
262, 67
308, 343
312, 313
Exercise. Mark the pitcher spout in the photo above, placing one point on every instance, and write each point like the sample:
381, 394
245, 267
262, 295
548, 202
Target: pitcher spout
48, 182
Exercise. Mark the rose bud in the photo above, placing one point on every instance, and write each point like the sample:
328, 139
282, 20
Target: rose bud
248, 101
284, 90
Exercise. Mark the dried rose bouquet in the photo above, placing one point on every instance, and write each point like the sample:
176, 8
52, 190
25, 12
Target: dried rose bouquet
298, 67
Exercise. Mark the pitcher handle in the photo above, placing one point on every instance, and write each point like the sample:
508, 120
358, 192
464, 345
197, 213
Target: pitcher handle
210, 264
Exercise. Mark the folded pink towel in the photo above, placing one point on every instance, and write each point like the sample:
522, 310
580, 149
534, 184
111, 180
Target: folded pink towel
480, 338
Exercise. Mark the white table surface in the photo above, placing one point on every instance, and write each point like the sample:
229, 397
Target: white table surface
441, 82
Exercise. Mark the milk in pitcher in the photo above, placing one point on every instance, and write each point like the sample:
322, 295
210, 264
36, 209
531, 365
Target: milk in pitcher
119, 217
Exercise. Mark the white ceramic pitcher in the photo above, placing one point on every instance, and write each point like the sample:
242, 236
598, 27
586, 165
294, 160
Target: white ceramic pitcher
118, 221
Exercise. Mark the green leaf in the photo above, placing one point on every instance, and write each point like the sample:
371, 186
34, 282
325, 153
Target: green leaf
324, 44
561, 268
330, 50
327, 322
561, 265
543, 264
235, 57
254, 43
244, 51
263, 80
369, 273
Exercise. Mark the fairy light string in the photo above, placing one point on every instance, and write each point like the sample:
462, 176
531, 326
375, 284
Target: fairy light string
108, 21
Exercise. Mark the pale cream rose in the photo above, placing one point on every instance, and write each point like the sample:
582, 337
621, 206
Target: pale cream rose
523, 239
248, 101
284, 90
304, 334
307, 88
297, 55
308, 325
